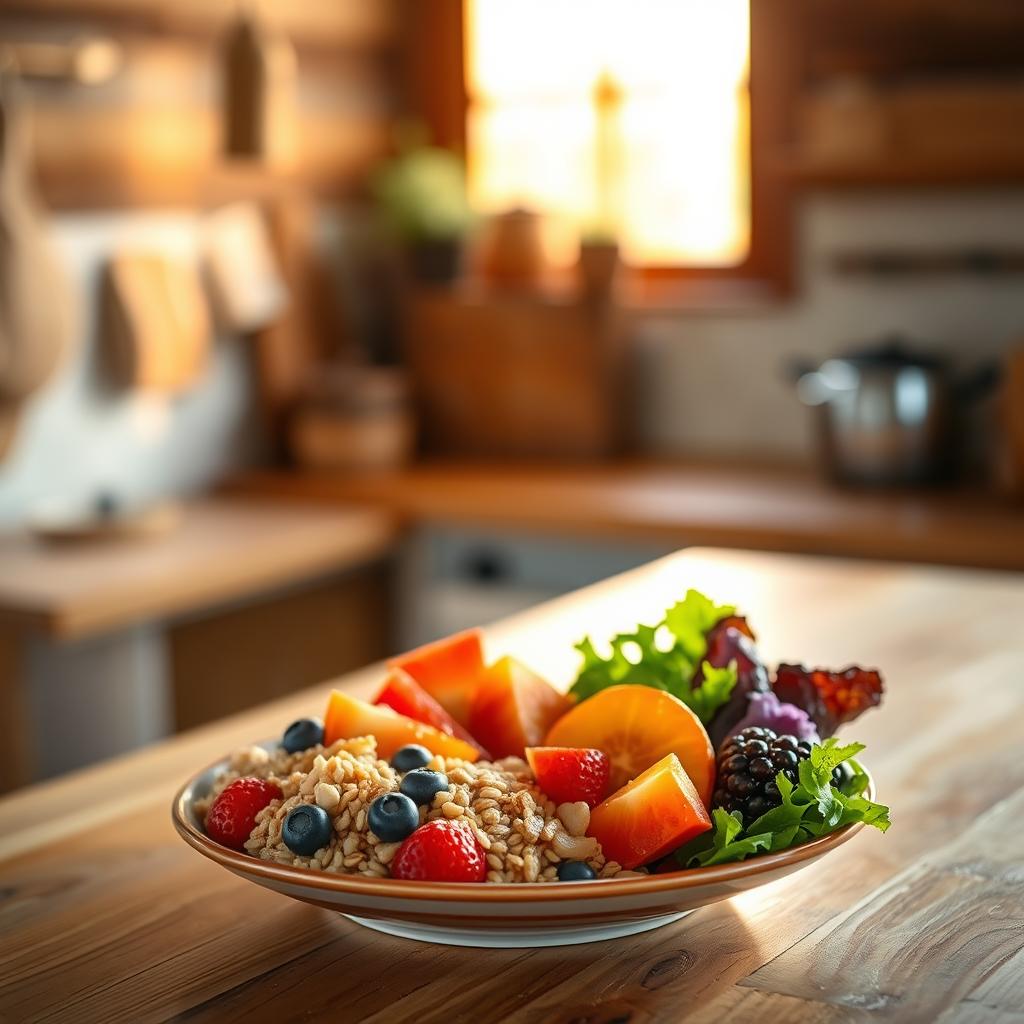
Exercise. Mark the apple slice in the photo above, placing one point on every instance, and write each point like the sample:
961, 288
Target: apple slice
513, 708
403, 694
448, 670
650, 816
348, 717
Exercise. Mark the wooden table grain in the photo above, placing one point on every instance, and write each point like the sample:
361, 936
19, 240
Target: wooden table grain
106, 916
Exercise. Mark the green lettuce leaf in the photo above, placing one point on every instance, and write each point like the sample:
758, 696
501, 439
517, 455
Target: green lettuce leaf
811, 808
721, 844
638, 658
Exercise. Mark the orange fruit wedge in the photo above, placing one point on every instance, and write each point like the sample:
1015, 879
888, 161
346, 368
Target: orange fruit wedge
637, 726
650, 816
403, 694
513, 708
448, 669
348, 717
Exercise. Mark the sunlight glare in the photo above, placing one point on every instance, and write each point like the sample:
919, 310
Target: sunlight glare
679, 141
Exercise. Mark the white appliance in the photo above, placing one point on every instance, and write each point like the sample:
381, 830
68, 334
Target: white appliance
453, 579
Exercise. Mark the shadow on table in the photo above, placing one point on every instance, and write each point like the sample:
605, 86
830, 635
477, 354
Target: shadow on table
360, 974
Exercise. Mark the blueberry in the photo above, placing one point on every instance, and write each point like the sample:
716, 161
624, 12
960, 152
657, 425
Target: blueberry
300, 735
306, 829
392, 817
575, 871
421, 785
409, 757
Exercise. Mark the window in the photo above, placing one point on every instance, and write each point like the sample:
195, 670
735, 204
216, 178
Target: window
626, 117
666, 122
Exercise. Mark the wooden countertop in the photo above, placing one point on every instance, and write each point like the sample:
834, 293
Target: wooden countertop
223, 549
683, 505
106, 915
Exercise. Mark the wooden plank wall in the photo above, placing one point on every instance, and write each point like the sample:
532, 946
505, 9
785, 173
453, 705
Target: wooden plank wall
152, 135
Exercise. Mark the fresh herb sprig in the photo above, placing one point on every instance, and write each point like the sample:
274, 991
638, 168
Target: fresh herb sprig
638, 658
811, 808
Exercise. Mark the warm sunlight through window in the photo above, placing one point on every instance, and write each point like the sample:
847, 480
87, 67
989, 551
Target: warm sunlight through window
628, 116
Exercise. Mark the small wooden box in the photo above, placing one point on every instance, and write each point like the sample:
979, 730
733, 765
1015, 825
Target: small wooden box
512, 375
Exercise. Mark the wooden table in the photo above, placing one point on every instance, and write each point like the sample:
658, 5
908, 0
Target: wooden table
223, 550
106, 916
779, 509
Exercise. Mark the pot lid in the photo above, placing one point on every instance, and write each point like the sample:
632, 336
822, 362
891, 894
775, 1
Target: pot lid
892, 352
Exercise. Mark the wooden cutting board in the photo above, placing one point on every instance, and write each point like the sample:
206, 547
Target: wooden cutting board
156, 321
37, 316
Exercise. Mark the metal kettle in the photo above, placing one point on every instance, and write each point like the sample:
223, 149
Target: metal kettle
886, 413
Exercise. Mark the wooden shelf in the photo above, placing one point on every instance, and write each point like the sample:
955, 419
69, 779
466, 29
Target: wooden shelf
963, 172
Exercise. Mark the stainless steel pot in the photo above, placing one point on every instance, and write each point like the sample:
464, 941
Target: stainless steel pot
886, 414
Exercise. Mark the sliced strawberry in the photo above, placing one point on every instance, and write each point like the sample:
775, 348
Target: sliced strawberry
403, 694
650, 816
570, 774
448, 670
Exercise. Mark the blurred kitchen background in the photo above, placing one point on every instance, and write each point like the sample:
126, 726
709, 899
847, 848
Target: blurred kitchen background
330, 327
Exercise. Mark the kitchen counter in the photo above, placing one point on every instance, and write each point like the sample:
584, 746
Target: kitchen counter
681, 505
108, 916
222, 551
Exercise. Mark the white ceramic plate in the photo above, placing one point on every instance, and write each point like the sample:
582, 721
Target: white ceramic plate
486, 914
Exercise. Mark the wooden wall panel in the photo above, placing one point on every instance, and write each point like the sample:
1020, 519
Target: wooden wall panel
152, 135
236, 659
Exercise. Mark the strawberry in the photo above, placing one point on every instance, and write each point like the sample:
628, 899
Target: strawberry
440, 851
233, 814
570, 774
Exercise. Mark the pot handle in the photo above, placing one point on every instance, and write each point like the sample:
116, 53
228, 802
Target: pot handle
977, 383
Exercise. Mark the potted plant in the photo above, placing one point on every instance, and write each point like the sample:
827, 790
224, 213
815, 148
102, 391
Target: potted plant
422, 195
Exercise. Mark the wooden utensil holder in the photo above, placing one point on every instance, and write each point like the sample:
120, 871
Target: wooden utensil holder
505, 375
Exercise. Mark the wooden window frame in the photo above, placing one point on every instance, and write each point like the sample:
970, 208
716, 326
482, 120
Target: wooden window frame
437, 95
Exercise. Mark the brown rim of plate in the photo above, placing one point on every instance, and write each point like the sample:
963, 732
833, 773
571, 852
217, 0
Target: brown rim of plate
500, 892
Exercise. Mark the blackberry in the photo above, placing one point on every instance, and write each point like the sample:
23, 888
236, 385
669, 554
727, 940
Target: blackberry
747, 766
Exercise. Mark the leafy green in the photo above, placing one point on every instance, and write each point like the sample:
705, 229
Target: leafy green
723, 843
670, 664
811, 808
713, 692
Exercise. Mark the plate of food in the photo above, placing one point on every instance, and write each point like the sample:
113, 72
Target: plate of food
474, 803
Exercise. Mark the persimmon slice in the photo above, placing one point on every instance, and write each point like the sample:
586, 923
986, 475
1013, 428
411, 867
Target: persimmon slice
637, 726
348, 717
650, 816
448, 669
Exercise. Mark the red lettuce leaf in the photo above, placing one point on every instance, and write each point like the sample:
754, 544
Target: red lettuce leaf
830, 698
